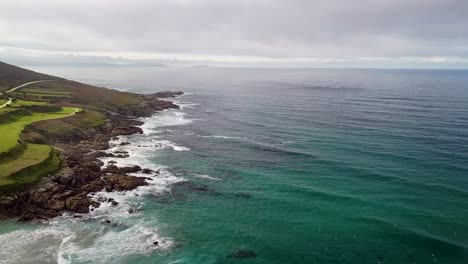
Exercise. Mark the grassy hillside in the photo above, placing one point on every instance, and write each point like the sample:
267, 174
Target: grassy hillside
11, 76
92, 96
37, 167
11, 129
41, 112
64, 126
32, 155
62, 91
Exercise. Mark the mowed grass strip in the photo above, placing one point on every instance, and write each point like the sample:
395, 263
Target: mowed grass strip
10, 132
21, 103
33, 154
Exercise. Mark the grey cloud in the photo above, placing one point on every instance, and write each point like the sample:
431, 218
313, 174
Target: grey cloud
260, 28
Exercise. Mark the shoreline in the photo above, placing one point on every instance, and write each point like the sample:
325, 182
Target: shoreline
82, 173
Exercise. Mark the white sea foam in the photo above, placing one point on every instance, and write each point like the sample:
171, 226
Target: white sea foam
61, 259
164, 119
169, 144
204, 176
106, 243
35, 246
184, 105
139, 149
219, 136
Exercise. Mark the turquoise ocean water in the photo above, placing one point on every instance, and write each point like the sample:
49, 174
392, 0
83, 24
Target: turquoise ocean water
296, 165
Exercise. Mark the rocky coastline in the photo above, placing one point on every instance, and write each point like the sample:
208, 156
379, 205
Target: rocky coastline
81, 172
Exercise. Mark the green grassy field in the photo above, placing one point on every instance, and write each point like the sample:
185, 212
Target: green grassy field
42, 160
10, 131
32, 155
21, 103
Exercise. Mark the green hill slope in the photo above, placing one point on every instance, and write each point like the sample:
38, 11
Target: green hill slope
11, 76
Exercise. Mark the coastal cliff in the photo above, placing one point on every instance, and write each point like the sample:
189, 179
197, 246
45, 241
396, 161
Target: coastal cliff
79, 141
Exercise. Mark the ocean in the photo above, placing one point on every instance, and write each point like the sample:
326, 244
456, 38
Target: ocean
278, 166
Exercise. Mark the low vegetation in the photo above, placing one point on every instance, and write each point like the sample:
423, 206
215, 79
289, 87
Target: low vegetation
36, 93
71, 124
101, 99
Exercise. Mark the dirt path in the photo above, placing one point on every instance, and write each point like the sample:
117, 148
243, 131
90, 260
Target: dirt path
19, 87
7, 103
25, 84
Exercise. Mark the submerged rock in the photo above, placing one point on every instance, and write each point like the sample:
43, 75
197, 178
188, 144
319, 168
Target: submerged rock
242, 253
147, 171
112, 202
243, 195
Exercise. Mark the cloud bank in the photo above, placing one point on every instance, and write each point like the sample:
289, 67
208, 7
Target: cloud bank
250, 32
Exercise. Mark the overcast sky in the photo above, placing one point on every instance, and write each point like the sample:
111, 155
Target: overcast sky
361, 33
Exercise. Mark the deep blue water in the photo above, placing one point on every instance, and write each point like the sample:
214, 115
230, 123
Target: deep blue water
297, 165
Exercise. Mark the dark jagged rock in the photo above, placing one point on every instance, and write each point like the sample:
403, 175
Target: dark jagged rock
147, 171
79, 203
124, 183
126, 130
112, 155
112, 201
167, 94
94, 186
121, 170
